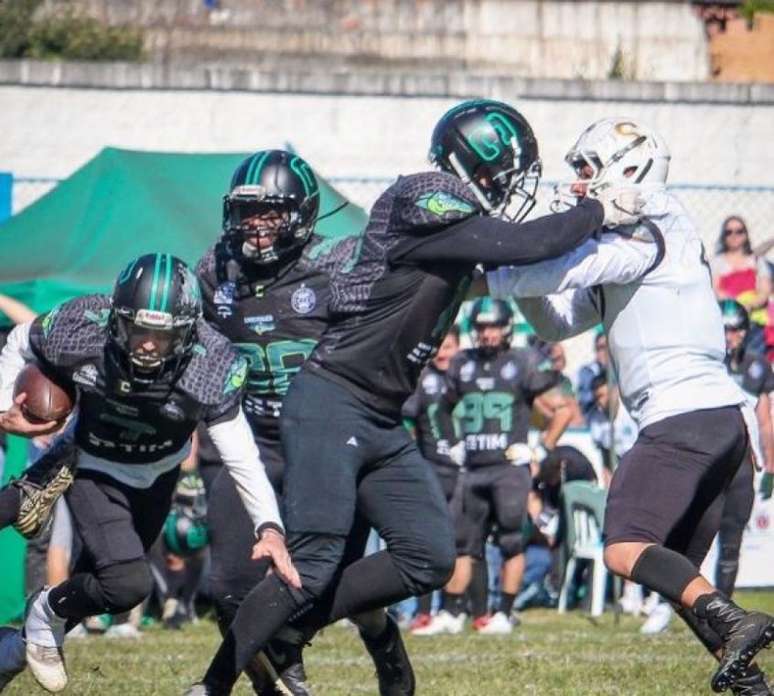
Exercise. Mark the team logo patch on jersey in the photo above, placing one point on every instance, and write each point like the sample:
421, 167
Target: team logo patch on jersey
86, 375
303, 300
485, 383
509, 370
441, 203
237, 375
173, 411
431, 384
261, 324
100, 318
467, 371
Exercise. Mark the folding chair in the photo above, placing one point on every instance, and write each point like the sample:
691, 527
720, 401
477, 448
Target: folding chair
583, 510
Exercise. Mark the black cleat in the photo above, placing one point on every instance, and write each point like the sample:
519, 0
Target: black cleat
41, 486
281, 667
752, 684
744, 634
393, 667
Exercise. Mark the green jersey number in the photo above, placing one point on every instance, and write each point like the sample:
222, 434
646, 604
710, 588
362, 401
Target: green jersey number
273, 366
478, 407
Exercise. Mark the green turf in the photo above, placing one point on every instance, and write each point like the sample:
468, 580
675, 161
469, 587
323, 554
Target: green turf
549, 654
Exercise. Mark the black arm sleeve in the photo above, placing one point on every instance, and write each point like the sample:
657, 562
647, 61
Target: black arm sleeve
495, 242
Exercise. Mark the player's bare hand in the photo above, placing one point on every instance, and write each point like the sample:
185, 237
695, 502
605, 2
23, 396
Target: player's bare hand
15, 422
272, 546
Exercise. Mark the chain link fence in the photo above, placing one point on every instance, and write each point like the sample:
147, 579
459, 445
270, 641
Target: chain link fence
709, 204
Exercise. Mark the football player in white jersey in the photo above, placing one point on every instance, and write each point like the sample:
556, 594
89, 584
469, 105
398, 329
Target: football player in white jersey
649, 285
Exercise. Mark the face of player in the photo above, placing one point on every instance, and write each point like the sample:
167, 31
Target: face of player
490, 337
446, 352
734, 339
586, 172
148, 347
600, 350
261, 231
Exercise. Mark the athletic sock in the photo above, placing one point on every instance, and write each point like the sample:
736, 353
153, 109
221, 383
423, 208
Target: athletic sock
506, 603
478, 591
665, 572
10, 502
425, 603
454, 603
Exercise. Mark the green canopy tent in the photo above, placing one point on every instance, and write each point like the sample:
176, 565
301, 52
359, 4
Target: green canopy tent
76, 239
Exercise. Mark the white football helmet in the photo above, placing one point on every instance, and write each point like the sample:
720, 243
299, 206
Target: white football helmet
619, 150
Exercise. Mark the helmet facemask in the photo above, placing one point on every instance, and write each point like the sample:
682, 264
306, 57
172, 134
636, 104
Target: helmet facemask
250, 214
172, 337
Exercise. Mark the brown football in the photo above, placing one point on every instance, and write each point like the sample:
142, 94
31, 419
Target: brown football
46, 399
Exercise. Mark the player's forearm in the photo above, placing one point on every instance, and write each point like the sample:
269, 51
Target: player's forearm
550, 321
16, 353
17, 312
234, 442
558, 423
763, 413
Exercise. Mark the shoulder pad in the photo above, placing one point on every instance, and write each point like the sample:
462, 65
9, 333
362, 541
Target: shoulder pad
72, 330
430, 200
216, 371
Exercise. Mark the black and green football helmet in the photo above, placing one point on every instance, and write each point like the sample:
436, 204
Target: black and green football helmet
491, 147
271, 184
156, 298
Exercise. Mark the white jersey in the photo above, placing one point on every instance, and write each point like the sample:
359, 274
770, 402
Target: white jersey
650, 286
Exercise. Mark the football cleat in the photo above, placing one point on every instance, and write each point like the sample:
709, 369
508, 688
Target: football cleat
283, 665
41, 485
752, 684
393, 667
497, 625
13, 659
442, 622
744, 634
44, 632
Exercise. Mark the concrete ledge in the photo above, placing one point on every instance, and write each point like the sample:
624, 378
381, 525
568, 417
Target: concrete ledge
369, 83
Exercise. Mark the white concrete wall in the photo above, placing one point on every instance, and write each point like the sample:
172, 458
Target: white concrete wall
51, 131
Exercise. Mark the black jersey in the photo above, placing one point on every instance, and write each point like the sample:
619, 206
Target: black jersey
274, 315
752, 373
124, 421
392, 307
435, 431
492, 397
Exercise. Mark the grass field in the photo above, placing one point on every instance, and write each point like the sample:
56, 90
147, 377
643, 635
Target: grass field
549, 654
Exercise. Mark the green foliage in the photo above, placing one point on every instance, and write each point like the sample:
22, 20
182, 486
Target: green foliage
750, 7
15, 23
64, 35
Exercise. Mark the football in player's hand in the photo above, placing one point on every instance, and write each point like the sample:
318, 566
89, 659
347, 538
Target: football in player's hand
46, 399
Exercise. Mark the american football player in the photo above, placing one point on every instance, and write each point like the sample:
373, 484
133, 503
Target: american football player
345, 446
146, 368
649, 285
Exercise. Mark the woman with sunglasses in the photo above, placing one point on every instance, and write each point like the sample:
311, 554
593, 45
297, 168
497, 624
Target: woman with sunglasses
738, 274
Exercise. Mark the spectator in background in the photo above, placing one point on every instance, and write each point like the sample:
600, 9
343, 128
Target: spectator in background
565, 390
738, 274
589, 371
612, 428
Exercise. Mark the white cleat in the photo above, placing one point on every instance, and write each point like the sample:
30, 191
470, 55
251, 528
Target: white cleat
45, 633
498, 625
631, 600
12, 655
124, 630
442, 623
658, 621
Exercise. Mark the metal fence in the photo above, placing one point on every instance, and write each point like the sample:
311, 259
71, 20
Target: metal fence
709, 204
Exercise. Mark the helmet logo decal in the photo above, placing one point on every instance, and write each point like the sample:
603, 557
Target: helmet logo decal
440, 203
254, 170
488, 142
305, 174
303, 300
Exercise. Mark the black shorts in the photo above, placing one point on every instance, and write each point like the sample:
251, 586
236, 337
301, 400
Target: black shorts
489, 496
115, 522
669, 485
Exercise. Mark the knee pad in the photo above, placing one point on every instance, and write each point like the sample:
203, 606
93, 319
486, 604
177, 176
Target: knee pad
511, 544
125, 585
317, 558
429, 570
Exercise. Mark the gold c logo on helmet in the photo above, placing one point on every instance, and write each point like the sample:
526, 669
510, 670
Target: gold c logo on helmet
626, 128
